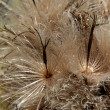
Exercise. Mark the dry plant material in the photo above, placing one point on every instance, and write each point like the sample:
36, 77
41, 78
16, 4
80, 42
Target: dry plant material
54, 55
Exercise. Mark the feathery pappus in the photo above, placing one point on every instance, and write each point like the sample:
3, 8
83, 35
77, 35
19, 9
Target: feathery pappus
54, 55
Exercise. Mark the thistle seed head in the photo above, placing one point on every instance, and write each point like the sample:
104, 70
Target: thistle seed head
54, 55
